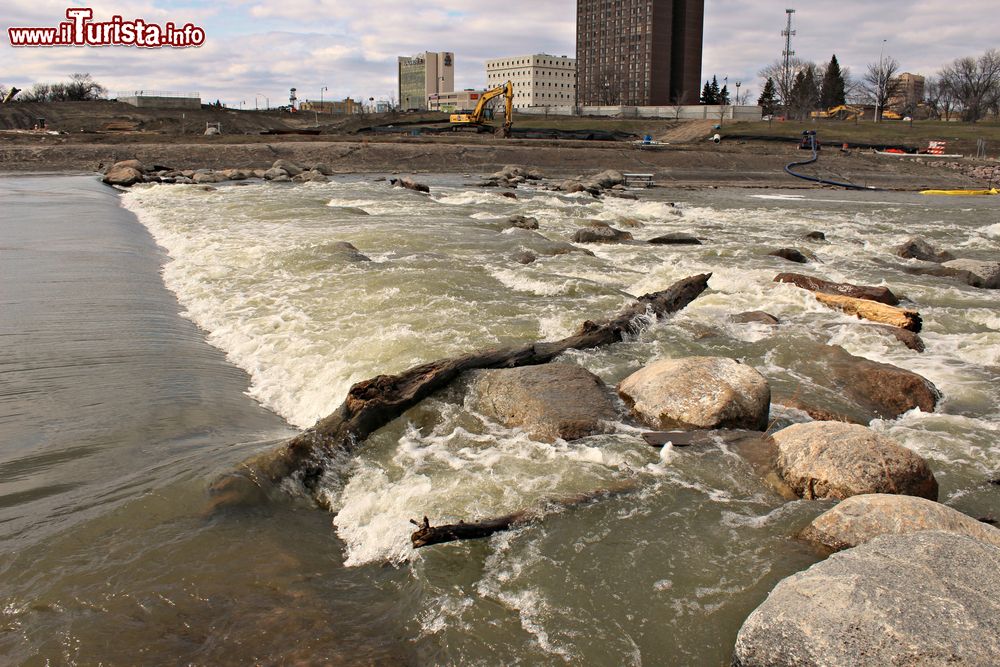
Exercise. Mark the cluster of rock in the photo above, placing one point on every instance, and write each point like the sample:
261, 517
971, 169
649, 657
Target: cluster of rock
129, 172
987, 173
930, 261
510, 177
840, 611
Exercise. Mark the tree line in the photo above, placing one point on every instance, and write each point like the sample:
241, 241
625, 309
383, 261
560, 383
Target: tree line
968, 88
79, 88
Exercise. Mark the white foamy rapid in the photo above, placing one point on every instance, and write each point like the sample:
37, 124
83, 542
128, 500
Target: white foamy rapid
260, 269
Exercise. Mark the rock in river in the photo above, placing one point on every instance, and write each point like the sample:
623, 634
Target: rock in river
555, 400
697, 393
863, 518
917, 248
929, 598
675, 238
976, 273
838, 460
123, 174
600, 232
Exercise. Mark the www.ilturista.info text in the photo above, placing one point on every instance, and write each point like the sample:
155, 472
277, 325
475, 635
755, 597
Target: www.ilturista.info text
81, 30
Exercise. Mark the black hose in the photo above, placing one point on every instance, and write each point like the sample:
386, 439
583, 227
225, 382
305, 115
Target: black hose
815, 157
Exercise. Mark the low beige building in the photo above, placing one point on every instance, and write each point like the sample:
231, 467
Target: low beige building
460, 100
539, 80
347, 106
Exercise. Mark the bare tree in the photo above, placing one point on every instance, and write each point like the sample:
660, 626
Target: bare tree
974, 83
881, 83
784, 81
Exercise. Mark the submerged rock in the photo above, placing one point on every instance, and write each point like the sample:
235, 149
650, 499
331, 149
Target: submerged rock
976, 273
861, 519
550, 401
698, 393
929, 598
838, 460
790, 254
601, 232
755, 316
676, 238
815, 236
521, 222
917, 248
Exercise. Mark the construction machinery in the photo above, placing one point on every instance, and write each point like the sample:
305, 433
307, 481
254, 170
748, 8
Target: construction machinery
477, 119
840, 112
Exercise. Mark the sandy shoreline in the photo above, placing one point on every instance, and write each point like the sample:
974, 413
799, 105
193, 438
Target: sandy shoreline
730, 165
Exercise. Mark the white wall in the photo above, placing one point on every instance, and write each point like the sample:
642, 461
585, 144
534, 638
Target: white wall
691, 112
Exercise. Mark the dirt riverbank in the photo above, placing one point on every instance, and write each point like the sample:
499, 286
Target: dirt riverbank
730, 164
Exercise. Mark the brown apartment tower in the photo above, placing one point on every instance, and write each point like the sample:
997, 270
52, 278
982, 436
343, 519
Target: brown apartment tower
639, 52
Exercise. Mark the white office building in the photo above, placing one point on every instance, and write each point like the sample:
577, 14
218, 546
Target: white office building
539, 80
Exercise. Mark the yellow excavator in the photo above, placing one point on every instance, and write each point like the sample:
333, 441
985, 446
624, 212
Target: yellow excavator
841, 112
477, 119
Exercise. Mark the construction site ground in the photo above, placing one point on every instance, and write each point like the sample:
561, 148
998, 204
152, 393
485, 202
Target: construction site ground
86, 136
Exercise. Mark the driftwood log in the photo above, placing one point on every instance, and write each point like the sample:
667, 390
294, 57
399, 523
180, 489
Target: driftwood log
880, 294
873, 311
427, 535
373, 403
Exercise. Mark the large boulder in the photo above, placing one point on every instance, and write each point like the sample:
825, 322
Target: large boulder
698, 393
290, 168
607, 179
882, 390
838, 460
601, 232
550, 401
929, 598
123, 174
976, 273
863, 518
275, 173
917, 248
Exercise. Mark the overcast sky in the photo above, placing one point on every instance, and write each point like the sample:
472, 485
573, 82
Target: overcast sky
257, 48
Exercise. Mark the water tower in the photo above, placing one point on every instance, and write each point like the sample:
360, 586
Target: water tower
292, 99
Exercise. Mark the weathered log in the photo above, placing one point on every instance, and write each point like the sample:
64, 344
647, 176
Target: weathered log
373, 403
427, 535
873, 310
880, 294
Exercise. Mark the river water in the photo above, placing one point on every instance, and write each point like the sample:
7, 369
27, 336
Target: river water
151, 344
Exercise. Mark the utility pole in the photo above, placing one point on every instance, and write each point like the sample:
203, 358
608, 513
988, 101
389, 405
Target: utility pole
786, 73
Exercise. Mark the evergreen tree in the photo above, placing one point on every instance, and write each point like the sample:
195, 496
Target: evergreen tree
805, 92
832, 92
706, 94
724, 95
716, 93
768, 99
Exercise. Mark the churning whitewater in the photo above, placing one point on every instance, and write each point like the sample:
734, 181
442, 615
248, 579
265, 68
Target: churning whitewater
264, 271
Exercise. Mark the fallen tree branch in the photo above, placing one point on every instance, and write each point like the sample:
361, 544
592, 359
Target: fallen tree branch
873, 310
373, 403
427, 535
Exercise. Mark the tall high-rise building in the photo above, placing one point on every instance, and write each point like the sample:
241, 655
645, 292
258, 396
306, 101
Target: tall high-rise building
424, 74
639, 52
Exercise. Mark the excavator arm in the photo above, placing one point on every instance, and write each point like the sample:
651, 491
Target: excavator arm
476, 118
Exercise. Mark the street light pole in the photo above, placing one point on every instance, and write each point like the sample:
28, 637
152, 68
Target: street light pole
738, 84
321, 91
